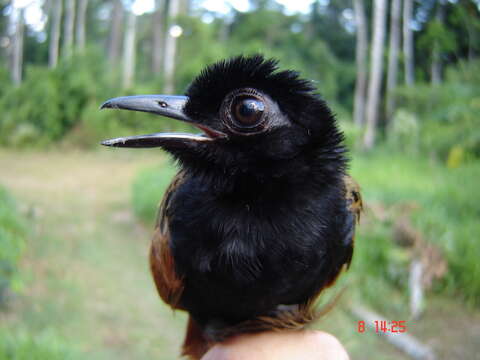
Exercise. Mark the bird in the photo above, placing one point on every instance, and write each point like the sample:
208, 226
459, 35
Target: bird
261, 215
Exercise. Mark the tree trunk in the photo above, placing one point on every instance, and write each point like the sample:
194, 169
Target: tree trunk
471, 41
68, 27
408, 42
469, 23
416, 288
115, 36
158, 47
376, 69
436, 60
55, 33
310, 32
80, 26
361, 61
170, 48
224, 31
394, 49
185, 6
17, 51
129, 51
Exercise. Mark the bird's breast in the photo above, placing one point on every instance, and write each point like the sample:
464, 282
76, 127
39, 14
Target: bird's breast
246, 237
259, 251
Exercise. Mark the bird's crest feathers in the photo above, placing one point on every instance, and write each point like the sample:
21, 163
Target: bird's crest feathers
208, 89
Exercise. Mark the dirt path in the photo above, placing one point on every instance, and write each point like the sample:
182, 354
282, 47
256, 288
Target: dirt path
86, 265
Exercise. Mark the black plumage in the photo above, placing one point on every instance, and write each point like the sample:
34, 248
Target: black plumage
261, 216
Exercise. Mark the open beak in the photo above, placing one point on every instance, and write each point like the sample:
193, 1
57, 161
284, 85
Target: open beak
165, 105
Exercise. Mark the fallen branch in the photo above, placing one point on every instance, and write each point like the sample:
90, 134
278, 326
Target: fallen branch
416, 288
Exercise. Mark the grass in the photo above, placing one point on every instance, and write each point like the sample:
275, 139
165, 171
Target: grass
87, 292
44, 346
148, 188
84, 269
12, 242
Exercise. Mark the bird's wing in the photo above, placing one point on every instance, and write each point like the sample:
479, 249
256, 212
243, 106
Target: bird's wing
355, 208
353, 196
169, 284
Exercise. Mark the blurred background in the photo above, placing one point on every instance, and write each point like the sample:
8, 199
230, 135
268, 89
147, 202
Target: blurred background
403, 77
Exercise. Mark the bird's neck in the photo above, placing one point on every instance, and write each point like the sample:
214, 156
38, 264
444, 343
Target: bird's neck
285, 176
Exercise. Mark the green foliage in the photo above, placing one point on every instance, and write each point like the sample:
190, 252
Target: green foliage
447, 114
48, 103
192, 59
448, 216
248, 35
352, 133
12, 232
148, 189
437, 35
403, 133
379, 267
62, 104
31, 111
44, 346
464, 22
51, 105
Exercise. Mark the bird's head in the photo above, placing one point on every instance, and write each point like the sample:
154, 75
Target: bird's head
254, 119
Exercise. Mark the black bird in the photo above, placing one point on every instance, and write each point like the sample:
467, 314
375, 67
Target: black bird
261, 216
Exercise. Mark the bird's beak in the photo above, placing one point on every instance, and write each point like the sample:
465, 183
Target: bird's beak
165, 105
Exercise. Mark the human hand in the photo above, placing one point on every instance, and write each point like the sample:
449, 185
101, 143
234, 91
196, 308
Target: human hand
284, 345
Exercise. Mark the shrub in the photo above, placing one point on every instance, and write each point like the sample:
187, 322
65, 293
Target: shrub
49, 102
51, 105
446, 113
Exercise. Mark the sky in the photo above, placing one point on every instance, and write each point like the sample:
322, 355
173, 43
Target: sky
223, 6
36, 19
33, 13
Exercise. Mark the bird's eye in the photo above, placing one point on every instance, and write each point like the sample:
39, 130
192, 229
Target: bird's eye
247, 111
